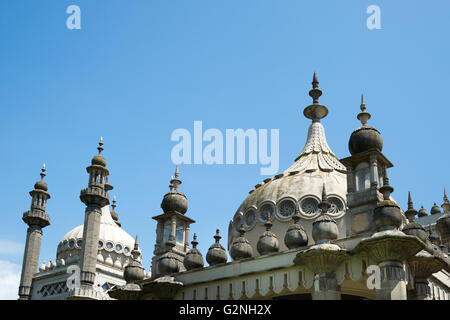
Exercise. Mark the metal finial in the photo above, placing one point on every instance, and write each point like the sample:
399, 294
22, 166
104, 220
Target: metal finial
136, 244
315, 82
177, 172
363, 104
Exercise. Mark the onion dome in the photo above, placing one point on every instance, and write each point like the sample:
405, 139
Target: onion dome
443, 223
365, 137
98, 159
324, 227
295, 236
41, 184
174, 200
387, 214
216, 253
193, 258
168, 262
268, 241
435, 209
114, 215
134, 271
241, 248
422, 212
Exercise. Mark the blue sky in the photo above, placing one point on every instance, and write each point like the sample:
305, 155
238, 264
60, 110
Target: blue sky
137, 70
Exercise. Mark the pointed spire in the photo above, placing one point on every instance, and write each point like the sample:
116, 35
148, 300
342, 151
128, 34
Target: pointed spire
100, 146
175, 182
445, 196
194, 241
324, 205
411, 212
315, 111
386, 189
446, 204
43, 173
217, 236
315, 93
410, 203
363, 116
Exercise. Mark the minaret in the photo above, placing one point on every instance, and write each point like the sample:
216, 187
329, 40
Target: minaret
36, 219
95, 196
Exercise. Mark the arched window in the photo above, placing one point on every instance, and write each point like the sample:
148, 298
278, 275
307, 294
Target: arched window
362, 176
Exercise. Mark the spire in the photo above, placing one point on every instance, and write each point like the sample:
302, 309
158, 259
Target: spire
41, 184
113, 212
194, 241
100, 144
324, 205
446, 204
175, 182
315, 111
363, 116
386, 189
411, 212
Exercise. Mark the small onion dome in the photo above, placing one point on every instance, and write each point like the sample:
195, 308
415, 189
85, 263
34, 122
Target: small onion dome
98, 159
387, 214
168, 262
174, 200
241, 248
324, 229
416, 229
296, 236
268, 241
41, 184
422, 212
365, 137
193, 258
435, 209
133, 272
216, 253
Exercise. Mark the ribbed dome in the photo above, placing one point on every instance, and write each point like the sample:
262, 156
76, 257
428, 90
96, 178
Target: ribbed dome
41, 185
112, 238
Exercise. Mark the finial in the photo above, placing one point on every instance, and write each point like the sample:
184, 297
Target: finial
315, 93
268, 225
324, 205
411, 212
217, 236
241, 230
296, 217
445, 196
363, 116
114, 204
42, 172
410, 203
194, 241
386, 189
136, 244
175, 182
100, 144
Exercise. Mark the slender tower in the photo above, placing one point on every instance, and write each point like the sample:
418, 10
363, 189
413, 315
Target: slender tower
95, 196
36, 219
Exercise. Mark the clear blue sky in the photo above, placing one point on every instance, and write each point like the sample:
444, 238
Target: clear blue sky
137, 70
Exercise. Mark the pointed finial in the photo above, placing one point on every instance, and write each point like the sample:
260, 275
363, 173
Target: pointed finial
136, 243
324, 205
114, 203
100, 144
410, 203
194, 241
363, 116
175, 182
296, 217
268, 225
445, 196
386, 189
411, 212
315, 93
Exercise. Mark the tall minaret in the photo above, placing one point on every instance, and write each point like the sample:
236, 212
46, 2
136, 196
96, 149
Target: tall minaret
95, 196
36, 219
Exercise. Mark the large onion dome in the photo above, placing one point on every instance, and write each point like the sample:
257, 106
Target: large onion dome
175, 200
295, 236
365, 137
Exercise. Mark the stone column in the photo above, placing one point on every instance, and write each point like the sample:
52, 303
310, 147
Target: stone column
350, 179
91, 234
393, 282
326, 287
373, 172
30, 260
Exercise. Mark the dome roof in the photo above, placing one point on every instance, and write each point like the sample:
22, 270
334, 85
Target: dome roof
112, 238
365, 138
435, 209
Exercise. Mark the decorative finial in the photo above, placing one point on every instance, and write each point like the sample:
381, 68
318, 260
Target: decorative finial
296, 217
410, 203
114, 204
136, 244
194, 241
241, 230
315, 93
411, 212
42, 172
175, 182
445, 196
363, 116
386, 189
100, 144
217, 236
315, 111
324, 205
268, 225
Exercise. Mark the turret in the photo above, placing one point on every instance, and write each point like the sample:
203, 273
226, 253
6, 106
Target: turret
36, 219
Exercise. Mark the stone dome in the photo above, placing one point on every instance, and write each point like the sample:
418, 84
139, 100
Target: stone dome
363, 139
216, 253
241, 248
98, 160
297, 188
41, 185
415, 229
435, 209
174, 200
295, 236
268, 241
114, 242
422, 212
193, 258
